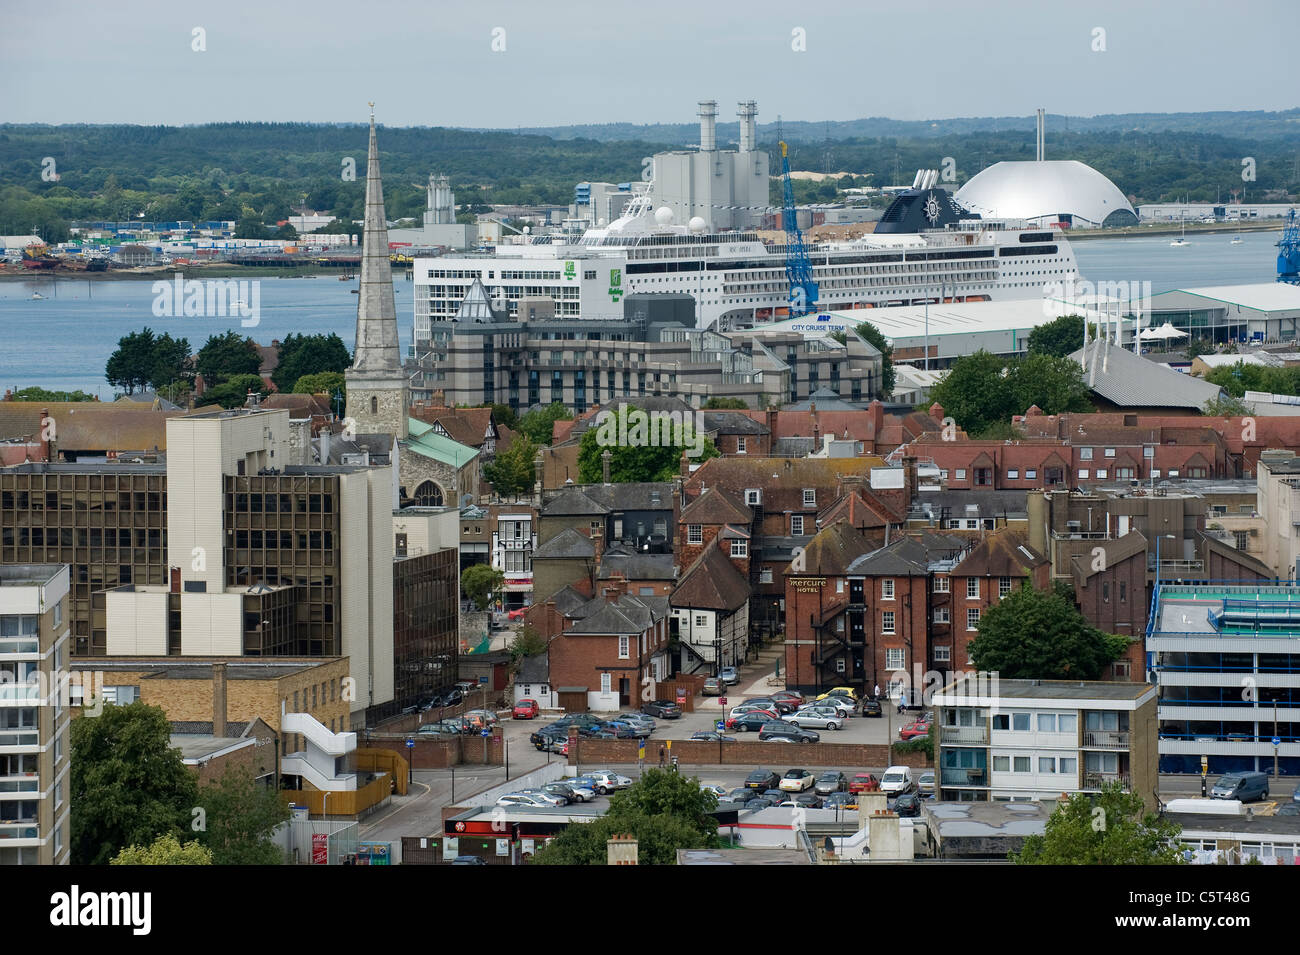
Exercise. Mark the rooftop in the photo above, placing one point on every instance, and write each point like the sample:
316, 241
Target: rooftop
1045, 689
29, 575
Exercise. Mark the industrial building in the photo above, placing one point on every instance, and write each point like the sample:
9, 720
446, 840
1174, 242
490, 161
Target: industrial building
1260, 311
1218, 212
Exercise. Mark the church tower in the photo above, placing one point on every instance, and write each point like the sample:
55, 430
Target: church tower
378, 399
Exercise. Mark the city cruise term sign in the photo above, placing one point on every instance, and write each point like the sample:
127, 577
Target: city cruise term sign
616, 284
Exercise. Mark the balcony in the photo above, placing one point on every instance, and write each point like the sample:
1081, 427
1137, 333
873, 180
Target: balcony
963, 777
30, 783
1098, 780
976, 735
1105, 740
20, 830
20, 738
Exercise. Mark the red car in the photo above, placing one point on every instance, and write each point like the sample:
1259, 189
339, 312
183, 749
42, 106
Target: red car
913, 730
526, 710
864, 783
516, 614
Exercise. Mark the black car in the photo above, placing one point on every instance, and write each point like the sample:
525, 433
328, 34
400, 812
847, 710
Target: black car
908, 804
450, 697
752, 721
664, 709
468, 860
779, 730
541, 739
762, 779
742, 795
809, 800
871, 708
782, 705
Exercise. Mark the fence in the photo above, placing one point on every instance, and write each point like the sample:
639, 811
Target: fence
593, 752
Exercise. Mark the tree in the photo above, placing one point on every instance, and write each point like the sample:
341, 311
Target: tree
251, 227
480, 583
228, 354
171, 357
643, 446
309, 355
1107, 828
128, 785
37, 393
872, 334
233, 392
725, 404
322, 383
286, 231
983, 391
663, 810
1054, 384
1057, 338
1226, 406
1199, 346
504, 416
539, 423
529, 643
1039, 635
511, 472
130, 366
165, 850
241, 814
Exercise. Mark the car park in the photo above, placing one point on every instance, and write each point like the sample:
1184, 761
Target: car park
708, 736
908, 805
925, 783
819, 719
796, 781
607, 782
664, 709
831, 782
714, 686
526, 709
864, 783
897, 779
753, 721
762, 779
782, 731
729, 675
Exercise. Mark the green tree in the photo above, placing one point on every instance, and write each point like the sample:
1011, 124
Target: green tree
37, 393
322, 383
165, 850
286, 231
241, 814
128, 785
171, 357
1054, 384
132, 363
662, 792
1226, 406
251, 227
1039, 635
1057, 338
511, 472
1199, 346
983, 391
725, 404
643, 446
539, 423
480, 583
529, 643
504, 416
228, 354
1107, 828
309, 355
872, 334
233, 392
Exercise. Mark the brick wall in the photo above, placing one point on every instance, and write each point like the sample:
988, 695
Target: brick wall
593, 752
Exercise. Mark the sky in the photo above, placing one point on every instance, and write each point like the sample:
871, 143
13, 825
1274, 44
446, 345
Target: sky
508, 63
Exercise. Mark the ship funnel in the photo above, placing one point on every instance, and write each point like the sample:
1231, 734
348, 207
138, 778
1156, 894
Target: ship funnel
708, 114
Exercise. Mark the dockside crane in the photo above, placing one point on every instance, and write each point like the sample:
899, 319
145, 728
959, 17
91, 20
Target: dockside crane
803, 290
1288, 251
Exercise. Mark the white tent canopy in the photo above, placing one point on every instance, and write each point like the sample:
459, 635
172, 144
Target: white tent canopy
1165, 331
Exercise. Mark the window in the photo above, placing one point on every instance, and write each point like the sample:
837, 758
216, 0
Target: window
942, 654
58, 613
1110, 452
1101, 474
1123, 591
753, 495
1001, 764
428, 494
1149, 452
1002, 721
1020, 764
1067, 765
701, 620
973, 618
839, 664
796, 524
740, 445
1047, 722
959, 474
972, 588
1013, 474
604, 682
1085, 454
809, 497
887, 589
941, 585
1047, 764
1083, 474
624, 648
765, 575
1105, 591
887, 621
1241, 538
740, 548
1067, 723
1031, 474
1004, 586
941, 615
1101, 720
694, 534
1020, 722
894, 658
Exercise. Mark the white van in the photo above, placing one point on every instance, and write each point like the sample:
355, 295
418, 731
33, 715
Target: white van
897, 780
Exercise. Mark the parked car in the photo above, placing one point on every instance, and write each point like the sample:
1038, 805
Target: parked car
791, 695
831, 782
808, 800
1289, 809
570, 791
762, 779
821, 719
740, 709
449, 727
527, 800
897, 779
729, 675
840, 691
925, 783
468, 860
782, 731
708, 736
840, 801
526, 710
714, 686
771, 703
609, 782
581, 782
840, 705
465, 686
643, 724
914, 730
908, 805
864, 783
447, 698
716, 790
762, 802
797, 780
1246, 786
742, 795
664, 709
615, 729
755, 720
871, 708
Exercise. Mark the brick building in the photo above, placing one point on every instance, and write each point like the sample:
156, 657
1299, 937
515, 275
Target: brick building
989, 571
608, 650
710, 607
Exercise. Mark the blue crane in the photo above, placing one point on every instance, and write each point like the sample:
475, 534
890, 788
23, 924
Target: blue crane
803, 290
1288, 252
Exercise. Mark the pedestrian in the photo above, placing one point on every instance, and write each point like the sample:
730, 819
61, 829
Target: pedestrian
661, 757
875, 695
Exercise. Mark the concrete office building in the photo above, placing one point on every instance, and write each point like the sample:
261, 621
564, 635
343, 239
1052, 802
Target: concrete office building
34, 715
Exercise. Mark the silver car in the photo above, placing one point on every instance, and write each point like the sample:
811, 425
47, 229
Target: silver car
841, 705
638, 721
817, 719
609, 782
525, 800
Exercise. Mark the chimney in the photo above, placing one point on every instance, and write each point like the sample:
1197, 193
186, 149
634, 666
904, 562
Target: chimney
816, 427
621, 850
910, 479
771, 424
685, 467
45, 434
708, 114
175, 580
746, 110
605, 457
936, 412
877, 418
219, 700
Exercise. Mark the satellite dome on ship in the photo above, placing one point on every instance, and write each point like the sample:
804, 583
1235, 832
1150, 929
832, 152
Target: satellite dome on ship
1047, 192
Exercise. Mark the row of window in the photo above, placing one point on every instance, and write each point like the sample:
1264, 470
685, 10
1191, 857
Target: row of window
1063, 765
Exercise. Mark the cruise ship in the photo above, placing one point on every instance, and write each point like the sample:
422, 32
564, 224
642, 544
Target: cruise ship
926, 248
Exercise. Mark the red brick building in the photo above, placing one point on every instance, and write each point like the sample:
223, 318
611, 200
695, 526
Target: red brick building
608, 650
988, 572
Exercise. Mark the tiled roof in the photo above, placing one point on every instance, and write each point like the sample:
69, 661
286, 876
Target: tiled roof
568, 544
627, 615
832, 550
717, 506
711, 583
1083, 566
732, 422
534, 669
1000, 554
859, 509
581, 499
903, 558
632, 565
89, 425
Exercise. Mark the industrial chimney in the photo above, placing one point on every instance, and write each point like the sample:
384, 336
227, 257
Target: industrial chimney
708, 125
746, 111
1042, 141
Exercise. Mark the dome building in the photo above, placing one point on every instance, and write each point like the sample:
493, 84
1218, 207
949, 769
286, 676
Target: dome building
1062, 192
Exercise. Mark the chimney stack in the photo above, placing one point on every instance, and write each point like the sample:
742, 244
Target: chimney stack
746, 111
45, 434
1042, 140
621, 850
219, 700
708, 114
605, 457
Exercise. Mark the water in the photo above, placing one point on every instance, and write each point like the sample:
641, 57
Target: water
63, 342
